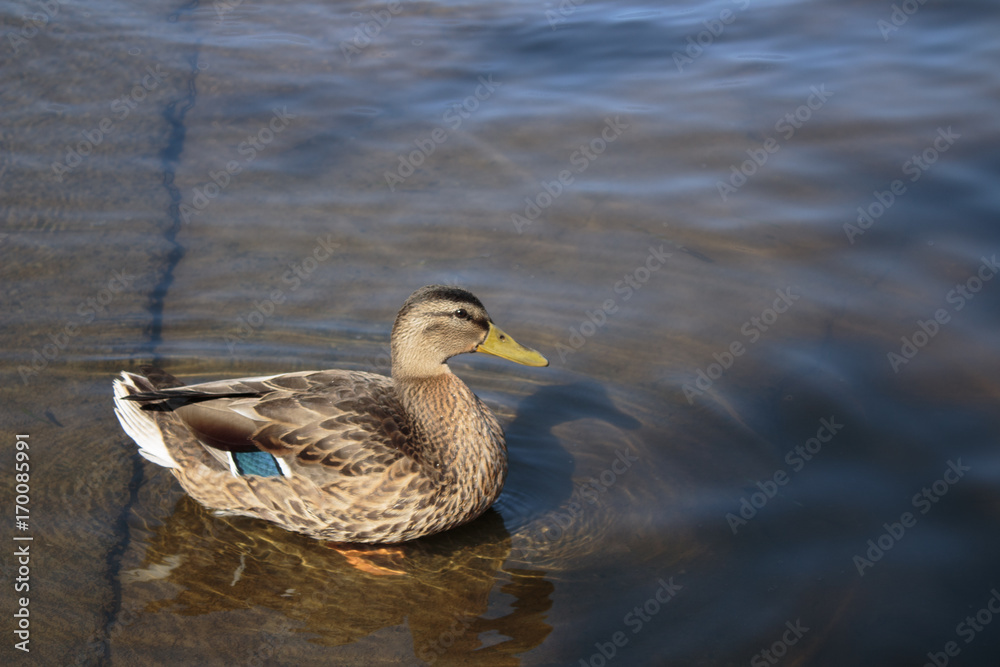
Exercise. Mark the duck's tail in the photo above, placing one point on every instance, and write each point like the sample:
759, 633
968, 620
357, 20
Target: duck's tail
142, 425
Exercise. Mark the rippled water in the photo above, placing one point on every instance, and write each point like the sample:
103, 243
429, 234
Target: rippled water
757, 240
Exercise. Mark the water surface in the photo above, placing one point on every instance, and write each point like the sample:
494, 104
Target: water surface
757, 240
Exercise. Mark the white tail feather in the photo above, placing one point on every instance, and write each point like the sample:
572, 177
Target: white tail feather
140, 426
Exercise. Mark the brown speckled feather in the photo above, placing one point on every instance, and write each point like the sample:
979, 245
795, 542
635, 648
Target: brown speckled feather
363, 458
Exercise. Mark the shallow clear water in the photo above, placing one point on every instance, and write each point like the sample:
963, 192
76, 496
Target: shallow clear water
734, 450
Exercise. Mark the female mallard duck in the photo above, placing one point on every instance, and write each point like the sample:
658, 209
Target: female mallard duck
340, 455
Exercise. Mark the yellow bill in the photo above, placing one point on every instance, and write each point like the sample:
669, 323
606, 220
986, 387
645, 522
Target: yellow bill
500, 344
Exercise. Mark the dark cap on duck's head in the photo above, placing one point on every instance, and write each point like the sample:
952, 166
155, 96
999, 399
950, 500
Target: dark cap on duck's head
438, 322
440, 294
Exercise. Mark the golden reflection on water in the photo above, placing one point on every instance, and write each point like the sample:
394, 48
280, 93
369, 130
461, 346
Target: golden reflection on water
199, 564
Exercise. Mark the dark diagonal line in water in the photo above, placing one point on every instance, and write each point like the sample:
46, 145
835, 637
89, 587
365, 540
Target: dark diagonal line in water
174, 115
170, 155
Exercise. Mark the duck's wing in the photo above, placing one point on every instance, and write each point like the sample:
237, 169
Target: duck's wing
317, 424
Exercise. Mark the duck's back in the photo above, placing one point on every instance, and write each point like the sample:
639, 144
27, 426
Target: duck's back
332, 454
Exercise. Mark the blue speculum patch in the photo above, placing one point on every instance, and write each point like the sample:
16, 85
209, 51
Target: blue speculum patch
256, 463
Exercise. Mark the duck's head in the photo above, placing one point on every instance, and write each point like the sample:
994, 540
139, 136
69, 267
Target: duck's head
437, 322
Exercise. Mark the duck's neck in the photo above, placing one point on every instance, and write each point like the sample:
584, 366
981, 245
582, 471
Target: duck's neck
456, 434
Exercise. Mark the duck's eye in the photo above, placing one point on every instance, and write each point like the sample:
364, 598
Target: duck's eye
461, 314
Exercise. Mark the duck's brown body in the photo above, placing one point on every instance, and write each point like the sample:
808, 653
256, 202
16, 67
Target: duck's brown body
355, 457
